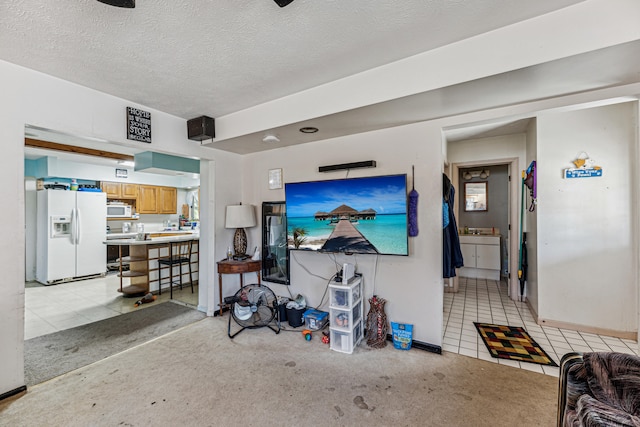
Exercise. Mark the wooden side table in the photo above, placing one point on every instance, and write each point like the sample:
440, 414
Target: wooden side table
236, 267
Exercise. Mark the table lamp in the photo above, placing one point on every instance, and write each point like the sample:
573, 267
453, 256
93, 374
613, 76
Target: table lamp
239, 217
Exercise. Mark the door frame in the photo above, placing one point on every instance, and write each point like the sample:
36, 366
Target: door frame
514, 200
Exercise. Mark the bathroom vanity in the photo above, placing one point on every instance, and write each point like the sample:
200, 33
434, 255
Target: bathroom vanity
481, 255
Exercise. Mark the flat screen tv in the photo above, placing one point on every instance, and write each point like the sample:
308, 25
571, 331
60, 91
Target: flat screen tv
353, 215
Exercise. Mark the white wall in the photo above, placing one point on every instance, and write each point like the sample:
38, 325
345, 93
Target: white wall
531, 226
30, 229
482, 150
586, 243
412, 285
33, 98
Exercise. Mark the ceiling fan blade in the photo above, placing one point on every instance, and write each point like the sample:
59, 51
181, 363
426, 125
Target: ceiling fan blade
282, 3
121, 3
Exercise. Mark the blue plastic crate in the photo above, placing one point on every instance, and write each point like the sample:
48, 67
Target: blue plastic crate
315, 319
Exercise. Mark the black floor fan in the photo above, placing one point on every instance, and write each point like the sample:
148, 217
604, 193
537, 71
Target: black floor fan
253, 306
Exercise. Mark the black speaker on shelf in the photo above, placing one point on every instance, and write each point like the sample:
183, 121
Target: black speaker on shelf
201, 128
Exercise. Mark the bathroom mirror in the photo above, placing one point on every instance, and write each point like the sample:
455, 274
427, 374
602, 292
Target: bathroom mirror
475, 196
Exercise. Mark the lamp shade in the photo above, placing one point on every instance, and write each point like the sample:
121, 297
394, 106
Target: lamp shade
240, 216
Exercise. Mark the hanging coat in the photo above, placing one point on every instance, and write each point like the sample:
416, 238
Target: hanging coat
451, 252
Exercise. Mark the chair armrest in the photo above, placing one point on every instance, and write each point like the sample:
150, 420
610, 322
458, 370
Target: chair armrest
567, 361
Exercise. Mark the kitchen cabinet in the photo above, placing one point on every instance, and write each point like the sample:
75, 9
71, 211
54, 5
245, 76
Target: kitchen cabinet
129, 191
120, 190
157, 200
147, 199
481, 256
112, 189
167, 200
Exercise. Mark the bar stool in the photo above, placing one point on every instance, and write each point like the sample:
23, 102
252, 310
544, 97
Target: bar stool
179, 253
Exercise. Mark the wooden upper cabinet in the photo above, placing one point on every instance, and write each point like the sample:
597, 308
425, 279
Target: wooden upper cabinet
113, 189
147, 199
150, 199
167, 200
129, 191
120, 190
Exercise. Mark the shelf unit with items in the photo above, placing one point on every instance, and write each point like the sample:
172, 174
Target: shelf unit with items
345, 315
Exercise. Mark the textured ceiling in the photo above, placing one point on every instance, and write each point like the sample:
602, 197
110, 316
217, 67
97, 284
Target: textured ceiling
215, 57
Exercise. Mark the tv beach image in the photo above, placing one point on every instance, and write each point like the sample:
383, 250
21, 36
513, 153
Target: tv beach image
356, 215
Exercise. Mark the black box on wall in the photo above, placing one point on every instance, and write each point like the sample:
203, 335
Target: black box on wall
201, 128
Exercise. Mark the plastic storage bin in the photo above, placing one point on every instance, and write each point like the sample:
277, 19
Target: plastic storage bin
344, 296
345, 318
294, 316
346, 342
345, 315
315, 319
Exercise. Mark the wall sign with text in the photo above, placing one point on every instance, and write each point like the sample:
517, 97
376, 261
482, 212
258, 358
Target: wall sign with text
585, 167
138, 125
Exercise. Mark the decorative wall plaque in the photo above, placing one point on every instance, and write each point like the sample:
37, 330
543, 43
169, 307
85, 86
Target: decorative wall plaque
138, 125
585, 167
275, 179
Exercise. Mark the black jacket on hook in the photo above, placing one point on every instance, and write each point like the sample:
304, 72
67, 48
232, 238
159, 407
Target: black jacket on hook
451, 253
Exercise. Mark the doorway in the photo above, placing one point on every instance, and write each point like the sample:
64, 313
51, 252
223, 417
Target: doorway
509, 208
62, 306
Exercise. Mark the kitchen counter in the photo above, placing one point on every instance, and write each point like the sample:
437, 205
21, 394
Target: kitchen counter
155, 237
480, 239
143, 258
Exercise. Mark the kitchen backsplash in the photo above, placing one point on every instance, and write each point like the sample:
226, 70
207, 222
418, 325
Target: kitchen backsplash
151, 223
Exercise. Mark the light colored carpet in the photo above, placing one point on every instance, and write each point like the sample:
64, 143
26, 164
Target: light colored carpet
197, 376
51, 355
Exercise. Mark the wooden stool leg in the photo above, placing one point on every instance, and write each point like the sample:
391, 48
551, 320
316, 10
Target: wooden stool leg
190, 276
171, 269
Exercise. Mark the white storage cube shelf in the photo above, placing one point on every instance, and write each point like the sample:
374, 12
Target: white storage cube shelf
345, 315
345, 342
345, 318
344, 296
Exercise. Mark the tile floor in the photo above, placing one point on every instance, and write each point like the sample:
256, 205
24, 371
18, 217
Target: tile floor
480, 300
50, 309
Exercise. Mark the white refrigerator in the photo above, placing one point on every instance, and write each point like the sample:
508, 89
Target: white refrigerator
71, 229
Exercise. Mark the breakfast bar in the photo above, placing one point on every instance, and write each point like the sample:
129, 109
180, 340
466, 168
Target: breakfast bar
145, 259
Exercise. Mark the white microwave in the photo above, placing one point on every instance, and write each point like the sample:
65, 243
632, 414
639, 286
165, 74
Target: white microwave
118, 211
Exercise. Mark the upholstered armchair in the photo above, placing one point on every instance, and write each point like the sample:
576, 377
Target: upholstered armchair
599, 389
